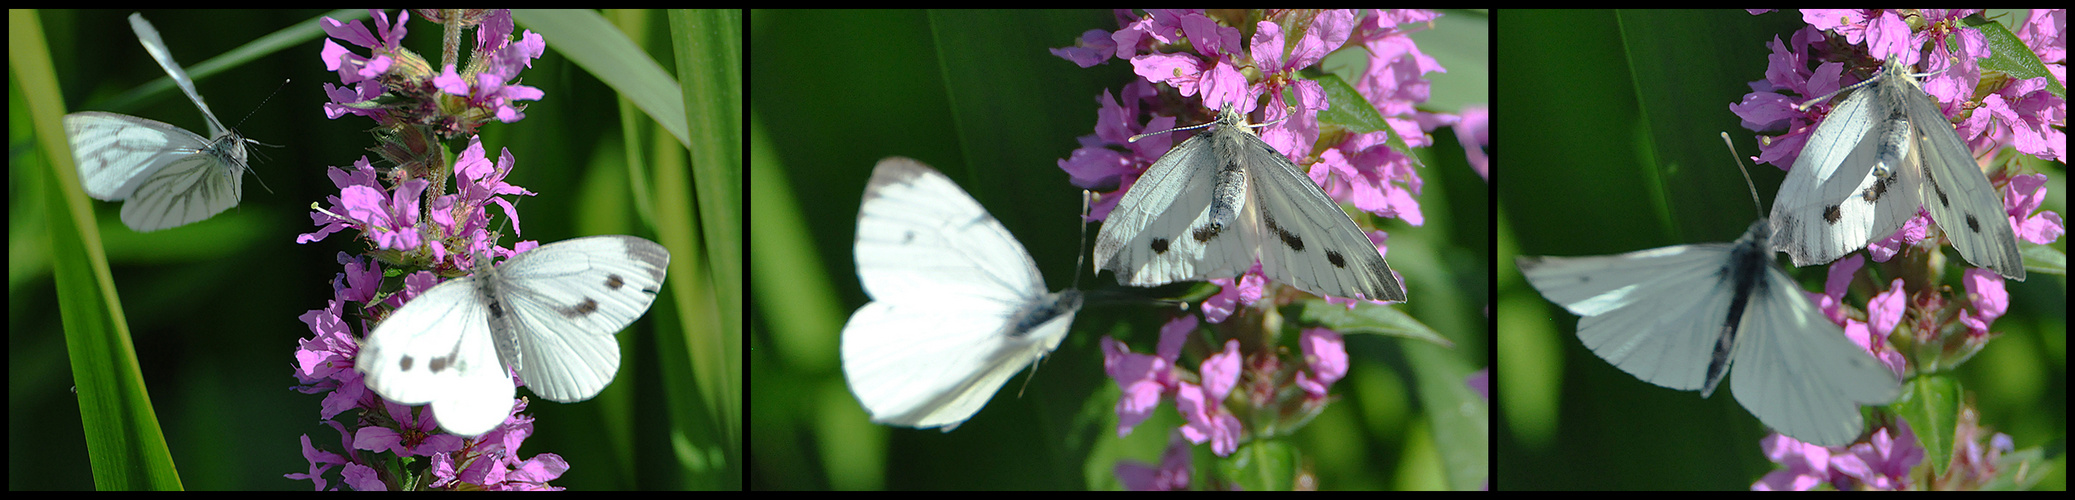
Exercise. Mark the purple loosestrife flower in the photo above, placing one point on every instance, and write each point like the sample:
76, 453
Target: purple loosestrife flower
1911, 310
1189, 64
457, 229
2027, 110
1171, 474
414, 106
416, 227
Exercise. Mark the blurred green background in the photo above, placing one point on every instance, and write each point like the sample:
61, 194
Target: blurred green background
213, 307
1613, 120
977, 96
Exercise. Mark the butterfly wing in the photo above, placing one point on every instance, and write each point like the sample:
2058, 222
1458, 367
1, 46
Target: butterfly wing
1846, 189
1967, 208
958, 305
113, 150
188, 189
935, 365
1302, 236
1656, 314
563, 303
437, 349
1798, 373
149, 37
919, 235
1166, 228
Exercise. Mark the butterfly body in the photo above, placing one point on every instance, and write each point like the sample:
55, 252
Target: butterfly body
1223, 200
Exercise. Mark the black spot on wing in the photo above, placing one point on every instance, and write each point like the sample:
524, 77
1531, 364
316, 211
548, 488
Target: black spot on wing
1159, 245
1207, 232
1287, 238
581, 309
1831, 214
1877, 190
1337, 260
1936, 189
614, 282
1973, 224
437, 365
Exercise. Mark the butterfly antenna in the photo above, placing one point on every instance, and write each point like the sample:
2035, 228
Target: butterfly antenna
255, 152
1287, 112
1848, 88
515, 209
1135, 138
1825, 97
1739, 159
263, 102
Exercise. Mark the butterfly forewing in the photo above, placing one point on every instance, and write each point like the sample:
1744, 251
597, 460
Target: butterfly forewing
149, 37
1312, 245
565, 302
1146, 246
1953, 189
1609, 294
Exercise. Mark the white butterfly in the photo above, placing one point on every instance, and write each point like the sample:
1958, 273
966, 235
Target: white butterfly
170, 176
957, 305
1881, 154
550, 314
1221, 200
1679, 316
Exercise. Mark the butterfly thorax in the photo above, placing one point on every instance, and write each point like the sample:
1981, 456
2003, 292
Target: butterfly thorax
503, 333
1229, 189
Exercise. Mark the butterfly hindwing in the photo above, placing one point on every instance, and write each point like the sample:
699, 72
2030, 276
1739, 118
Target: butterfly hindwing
1798, 373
